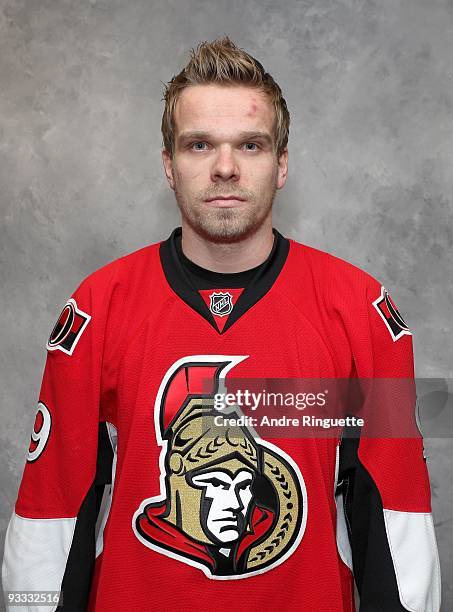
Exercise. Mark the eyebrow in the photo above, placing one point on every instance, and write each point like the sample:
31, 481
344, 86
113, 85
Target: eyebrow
247, 135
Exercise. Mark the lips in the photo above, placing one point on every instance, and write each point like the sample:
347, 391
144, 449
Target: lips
224, 201
231, 197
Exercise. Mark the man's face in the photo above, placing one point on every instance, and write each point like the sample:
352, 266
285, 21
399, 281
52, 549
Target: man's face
227, 499
224, 146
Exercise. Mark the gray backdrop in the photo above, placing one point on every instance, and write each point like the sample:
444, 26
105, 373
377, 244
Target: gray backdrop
369, 87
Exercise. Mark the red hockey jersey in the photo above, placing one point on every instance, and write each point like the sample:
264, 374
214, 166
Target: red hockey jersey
197, 514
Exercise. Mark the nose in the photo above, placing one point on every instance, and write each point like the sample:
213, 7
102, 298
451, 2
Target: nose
224, 166
234, 502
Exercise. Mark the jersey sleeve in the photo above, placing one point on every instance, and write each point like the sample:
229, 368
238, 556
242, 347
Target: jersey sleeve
50, 539
383, 482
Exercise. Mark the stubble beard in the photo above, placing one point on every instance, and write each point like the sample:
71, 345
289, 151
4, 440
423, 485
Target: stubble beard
225, 225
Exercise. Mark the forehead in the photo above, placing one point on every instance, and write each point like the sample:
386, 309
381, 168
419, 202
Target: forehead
223, 108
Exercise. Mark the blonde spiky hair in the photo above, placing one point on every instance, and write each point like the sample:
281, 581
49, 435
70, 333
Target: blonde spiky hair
221, 61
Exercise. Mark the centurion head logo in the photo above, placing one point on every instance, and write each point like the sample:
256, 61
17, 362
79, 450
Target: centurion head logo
231, 504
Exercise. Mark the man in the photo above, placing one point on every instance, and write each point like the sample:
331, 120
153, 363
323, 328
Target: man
201, 515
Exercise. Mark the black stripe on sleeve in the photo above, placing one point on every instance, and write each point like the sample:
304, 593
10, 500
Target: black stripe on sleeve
79, 567
372, 562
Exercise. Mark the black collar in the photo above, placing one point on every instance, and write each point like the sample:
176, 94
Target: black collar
259, 284
201, 278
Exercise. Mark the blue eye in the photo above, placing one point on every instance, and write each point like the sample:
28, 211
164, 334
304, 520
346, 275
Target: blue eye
197, 143
200, 146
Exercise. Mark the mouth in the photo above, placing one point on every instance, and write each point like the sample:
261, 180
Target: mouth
224, 201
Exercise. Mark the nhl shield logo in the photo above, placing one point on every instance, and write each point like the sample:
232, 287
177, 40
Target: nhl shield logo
221, 303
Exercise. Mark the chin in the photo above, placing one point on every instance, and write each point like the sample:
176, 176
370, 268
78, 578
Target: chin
231, 229
225, 236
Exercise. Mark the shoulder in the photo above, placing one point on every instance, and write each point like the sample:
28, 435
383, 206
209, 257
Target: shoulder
124, 270
102, 299
332, 273
348, 291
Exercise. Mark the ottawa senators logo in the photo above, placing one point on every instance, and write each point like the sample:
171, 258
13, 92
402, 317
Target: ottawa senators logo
390, 315
231, 504
68, 329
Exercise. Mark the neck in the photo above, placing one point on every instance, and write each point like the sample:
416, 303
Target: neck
228, 256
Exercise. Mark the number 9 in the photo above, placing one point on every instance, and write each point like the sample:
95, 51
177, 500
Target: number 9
40, 436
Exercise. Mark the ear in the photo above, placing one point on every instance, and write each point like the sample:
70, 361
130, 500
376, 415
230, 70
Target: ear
282, 168
168, 167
